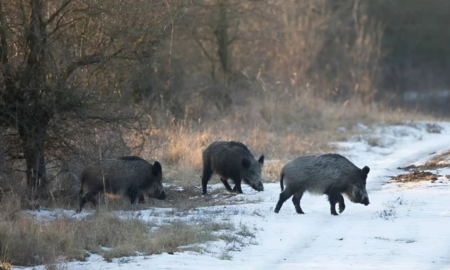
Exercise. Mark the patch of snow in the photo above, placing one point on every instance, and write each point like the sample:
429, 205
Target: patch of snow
341, 129
47, 215
94, 258
106, 248
443, 171
362, 127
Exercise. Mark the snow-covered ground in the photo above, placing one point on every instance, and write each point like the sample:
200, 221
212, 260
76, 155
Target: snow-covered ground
404, 227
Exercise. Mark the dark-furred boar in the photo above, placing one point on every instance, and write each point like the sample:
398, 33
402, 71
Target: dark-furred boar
129, 175
330, 174
232, 160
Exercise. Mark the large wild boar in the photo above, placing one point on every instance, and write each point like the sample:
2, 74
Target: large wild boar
329, 174
129, 175
232, 160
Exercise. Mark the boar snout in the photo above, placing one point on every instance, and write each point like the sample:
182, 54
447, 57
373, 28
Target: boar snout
258, 186
365, 201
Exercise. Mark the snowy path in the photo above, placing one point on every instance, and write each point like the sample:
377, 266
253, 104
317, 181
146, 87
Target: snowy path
403, 227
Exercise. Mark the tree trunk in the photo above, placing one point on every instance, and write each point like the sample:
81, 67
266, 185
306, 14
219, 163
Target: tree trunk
33, 142
223, 40
35, 115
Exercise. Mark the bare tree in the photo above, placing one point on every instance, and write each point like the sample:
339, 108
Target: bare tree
54, 57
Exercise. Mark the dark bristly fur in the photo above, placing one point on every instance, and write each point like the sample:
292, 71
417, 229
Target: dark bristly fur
129, 175
232, 160
329, 174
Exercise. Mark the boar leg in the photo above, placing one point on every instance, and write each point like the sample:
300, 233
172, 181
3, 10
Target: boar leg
207, 173
88, 197
333, 198
296, 200
283, 197
133, 194
141, 198
341, 203
225, 183
237, 186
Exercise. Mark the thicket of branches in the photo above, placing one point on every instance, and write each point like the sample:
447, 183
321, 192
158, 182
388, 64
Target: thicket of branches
62, 62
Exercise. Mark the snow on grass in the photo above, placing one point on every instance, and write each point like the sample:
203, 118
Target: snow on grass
404, 227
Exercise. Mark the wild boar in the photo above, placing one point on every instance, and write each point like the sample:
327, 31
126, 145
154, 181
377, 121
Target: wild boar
128, 175
232, 160
330, 174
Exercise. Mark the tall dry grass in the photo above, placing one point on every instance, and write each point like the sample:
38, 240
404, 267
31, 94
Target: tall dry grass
24, 240
280, 126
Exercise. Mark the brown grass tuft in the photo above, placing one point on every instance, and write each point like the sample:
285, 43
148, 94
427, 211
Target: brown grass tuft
415, 176
5, 265
184, 146
272, 169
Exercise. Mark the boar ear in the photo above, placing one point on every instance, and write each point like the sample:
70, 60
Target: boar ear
246, 163
261, 160
366, 170
157, 169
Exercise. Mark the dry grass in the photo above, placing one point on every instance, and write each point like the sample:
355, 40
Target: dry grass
5, 265
272, 169
27, 241
280, 127
178, 234
375, 141
437, 162
415, 176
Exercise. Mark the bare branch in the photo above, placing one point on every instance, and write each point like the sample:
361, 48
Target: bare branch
110, 119
59, 26
88, 60
197, 40
57, 12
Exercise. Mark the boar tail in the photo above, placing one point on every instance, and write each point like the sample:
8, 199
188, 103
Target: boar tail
281, 181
